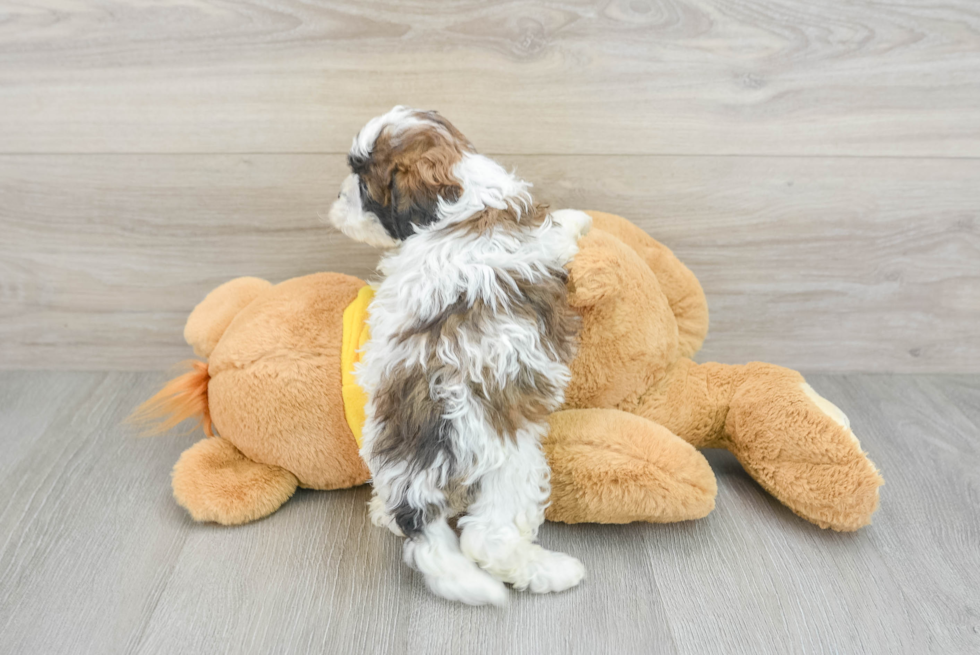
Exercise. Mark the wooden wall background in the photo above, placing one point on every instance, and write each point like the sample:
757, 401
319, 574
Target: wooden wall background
817, 164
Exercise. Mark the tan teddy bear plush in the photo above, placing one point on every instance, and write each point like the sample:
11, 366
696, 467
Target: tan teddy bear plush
278, 389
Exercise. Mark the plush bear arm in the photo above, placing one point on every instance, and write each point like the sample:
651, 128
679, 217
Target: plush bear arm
608, 466
678, 283
629, 335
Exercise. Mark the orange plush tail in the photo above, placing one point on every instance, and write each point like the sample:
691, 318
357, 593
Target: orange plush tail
184, 397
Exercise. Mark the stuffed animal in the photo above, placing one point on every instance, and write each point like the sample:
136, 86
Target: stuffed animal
278, 386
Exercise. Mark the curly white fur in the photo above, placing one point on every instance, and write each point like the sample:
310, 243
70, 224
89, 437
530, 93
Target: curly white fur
428, 274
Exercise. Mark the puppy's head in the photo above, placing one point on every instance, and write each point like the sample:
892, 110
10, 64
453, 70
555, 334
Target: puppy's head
401, 166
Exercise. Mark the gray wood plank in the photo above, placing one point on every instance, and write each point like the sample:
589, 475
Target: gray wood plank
88, 531
96, 557
629, 616
964, 394
29, 404
766, 582
928, 527
629, 76
820, 264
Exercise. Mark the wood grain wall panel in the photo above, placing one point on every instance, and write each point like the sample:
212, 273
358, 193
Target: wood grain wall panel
815, 263
776, 77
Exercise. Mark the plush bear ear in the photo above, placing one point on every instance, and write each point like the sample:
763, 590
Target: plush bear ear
212, 316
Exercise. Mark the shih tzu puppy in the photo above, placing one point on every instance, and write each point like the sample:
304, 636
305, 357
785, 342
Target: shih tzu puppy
471, 339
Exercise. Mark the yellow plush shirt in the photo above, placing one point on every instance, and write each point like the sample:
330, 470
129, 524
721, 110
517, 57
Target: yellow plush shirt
356, 334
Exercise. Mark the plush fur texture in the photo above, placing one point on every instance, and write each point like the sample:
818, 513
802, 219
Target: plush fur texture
235, 490
471, 338
797, 445
215, 313
608, 465
286, 358
788, 438
644, 471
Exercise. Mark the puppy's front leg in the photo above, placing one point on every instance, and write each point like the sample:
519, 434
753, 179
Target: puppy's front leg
501, 525
378, 511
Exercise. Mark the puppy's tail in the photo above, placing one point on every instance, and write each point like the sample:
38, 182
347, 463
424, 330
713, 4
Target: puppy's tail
184, 397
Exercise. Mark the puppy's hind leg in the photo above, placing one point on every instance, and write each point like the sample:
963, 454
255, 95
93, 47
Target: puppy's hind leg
502, 523
432, 548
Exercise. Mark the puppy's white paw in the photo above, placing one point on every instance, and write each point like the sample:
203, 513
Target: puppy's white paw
461, 580
550, 571
380, 516
449, 574
570, 225
574, 222
471, 586
525, 565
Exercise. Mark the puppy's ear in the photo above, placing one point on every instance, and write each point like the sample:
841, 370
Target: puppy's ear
417, 184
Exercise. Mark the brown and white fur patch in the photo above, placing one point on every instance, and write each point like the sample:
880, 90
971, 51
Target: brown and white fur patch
471, 338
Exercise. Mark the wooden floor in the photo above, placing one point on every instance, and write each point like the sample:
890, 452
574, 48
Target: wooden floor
97, 557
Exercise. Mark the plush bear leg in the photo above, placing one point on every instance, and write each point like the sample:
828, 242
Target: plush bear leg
801, 449
608, 466
795, 444
214, 481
